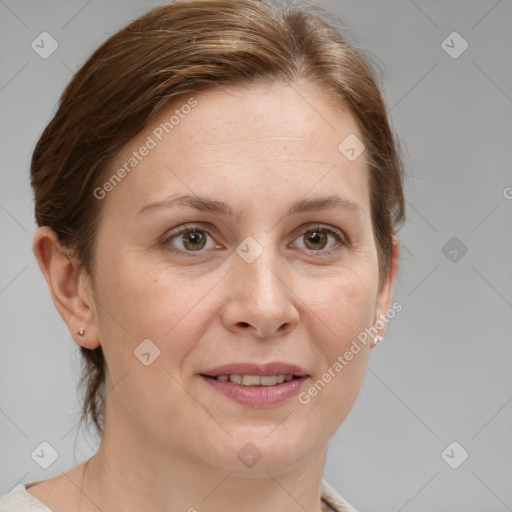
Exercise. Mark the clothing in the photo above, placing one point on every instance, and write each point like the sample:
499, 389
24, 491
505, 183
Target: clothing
330, 497
19, 500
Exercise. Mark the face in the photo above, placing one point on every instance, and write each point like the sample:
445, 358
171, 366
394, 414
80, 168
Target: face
254, 267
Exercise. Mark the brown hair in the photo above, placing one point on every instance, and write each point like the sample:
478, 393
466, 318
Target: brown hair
183, 48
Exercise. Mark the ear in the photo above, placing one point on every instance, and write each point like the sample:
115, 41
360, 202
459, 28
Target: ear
386, 288
73, 301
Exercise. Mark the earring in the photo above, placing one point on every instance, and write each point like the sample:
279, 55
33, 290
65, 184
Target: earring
81, 332
377, 340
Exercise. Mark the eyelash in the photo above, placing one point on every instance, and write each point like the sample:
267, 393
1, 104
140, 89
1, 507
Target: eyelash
341, 239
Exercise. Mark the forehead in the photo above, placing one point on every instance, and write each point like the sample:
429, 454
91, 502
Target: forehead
249, 139
272, 115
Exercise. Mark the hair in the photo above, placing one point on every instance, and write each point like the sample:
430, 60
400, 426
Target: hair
184, 48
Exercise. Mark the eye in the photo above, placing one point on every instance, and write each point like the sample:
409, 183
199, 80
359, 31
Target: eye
316, 238
190, 239
193, 239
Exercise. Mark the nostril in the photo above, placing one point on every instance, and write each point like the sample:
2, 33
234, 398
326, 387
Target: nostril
244, 324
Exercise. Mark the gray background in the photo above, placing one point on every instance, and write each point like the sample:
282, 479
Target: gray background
442, 372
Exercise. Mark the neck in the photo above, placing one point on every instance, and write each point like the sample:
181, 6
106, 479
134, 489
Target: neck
129, 475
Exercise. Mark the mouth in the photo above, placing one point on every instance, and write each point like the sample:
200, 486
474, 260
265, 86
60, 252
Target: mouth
254, 380
256, 385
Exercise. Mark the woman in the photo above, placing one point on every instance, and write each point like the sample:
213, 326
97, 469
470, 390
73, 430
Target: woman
218, 196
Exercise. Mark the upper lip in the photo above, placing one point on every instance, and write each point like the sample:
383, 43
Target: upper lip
272, 368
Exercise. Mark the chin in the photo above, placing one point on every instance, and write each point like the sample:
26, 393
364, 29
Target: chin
257, 451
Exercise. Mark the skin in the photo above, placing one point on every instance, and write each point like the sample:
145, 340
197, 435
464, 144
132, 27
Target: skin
171, 440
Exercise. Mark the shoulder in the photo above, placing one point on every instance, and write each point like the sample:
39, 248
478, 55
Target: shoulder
19, 500
332, 499
51, 495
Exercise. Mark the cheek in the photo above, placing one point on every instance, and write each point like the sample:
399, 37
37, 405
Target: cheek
344, 303
138, 301
146, 330
140, 298
342, 311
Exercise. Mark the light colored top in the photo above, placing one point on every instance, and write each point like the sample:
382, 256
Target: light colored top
19, 500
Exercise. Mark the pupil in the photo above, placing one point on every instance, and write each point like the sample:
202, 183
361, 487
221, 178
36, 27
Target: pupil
194, 237
316, 238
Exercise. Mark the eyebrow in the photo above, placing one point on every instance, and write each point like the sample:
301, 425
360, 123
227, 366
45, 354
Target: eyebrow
221, 208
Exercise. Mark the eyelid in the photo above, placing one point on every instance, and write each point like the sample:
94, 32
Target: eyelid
325, 227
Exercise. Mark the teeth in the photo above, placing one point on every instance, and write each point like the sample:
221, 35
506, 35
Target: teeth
251, 380
255, 380
269, 380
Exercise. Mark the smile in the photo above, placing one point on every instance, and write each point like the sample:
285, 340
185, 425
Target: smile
256, 390
255, 380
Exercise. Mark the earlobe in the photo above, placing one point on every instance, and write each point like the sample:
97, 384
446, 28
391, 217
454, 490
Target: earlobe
73, 302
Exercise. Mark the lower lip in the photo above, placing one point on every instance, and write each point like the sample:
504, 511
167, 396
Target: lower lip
257, 396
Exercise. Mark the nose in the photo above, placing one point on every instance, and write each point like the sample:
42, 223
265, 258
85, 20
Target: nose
260, 302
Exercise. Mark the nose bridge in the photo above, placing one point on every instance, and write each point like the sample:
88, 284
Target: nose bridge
258, 266
261, 298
